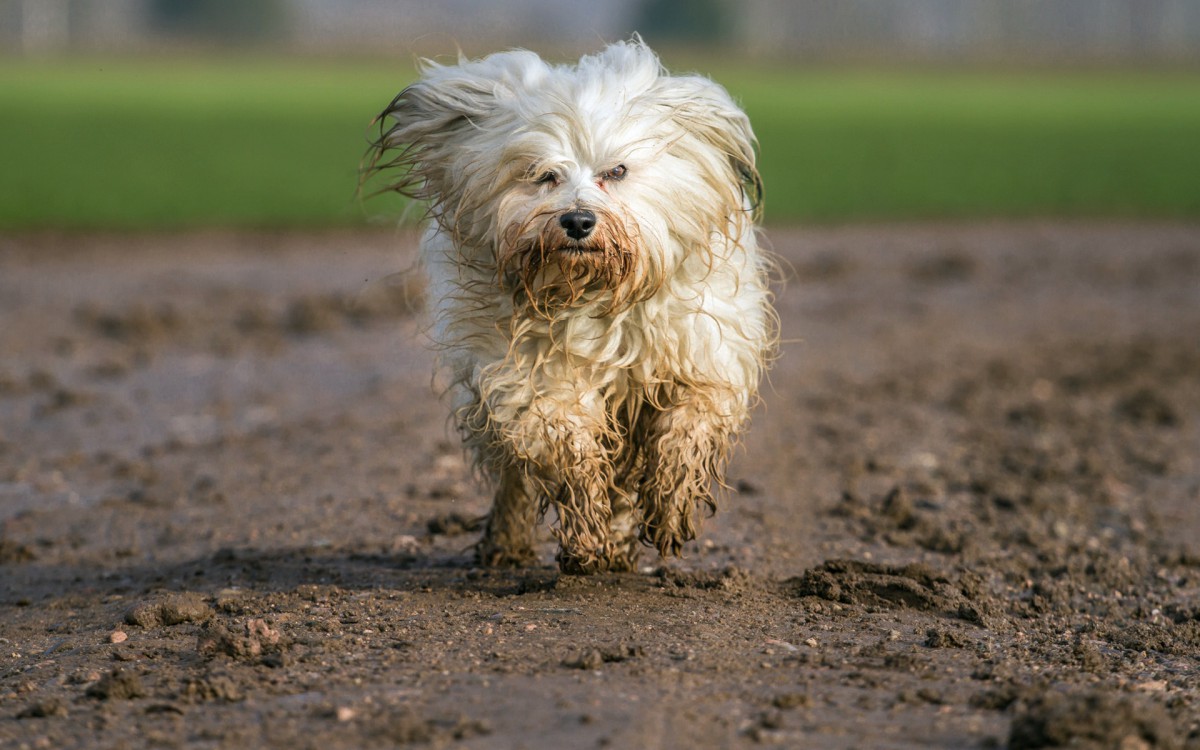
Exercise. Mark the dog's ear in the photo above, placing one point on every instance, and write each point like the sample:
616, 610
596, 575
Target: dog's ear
417, 132
434, 136
424, 128
708, 115
437, 106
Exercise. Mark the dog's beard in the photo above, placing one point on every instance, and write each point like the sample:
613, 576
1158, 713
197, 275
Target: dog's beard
549, 271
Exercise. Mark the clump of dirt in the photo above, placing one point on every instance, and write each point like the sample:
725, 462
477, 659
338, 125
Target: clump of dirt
320, 313
407, 728
43, 709
454, 524
212, 687
944, 267
594, 658
792, 700
12, 553
255, 641
942, 638
914, 586
139, 323
120, 684
174, 609
1146, 406
731, 578
1093, 720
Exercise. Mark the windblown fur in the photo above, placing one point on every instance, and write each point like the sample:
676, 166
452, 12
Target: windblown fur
604, 371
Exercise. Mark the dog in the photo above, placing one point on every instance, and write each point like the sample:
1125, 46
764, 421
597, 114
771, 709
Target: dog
601, 305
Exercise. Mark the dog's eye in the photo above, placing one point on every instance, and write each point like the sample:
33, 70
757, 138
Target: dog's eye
616, 173
547, 178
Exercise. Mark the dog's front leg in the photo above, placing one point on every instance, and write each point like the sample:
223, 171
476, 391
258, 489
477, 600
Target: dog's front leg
551, 451
685, 446
578, 481
509, 535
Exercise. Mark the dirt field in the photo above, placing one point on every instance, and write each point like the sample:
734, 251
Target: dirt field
967, 514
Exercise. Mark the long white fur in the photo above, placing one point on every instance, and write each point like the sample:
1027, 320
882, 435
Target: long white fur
609, 384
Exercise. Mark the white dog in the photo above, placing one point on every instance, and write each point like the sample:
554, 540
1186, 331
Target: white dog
601, 302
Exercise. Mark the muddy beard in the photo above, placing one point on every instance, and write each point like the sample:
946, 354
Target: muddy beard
547, 272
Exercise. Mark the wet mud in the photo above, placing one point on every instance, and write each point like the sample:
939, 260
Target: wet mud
967, 514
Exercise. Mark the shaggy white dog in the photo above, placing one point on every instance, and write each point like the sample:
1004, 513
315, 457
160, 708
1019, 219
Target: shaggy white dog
600, 299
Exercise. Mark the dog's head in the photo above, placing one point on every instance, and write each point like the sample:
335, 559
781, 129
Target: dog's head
601, 175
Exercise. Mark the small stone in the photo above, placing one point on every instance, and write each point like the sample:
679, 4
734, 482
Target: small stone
345, 713
118, 636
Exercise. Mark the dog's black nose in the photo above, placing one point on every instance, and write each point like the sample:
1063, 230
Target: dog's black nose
577, 224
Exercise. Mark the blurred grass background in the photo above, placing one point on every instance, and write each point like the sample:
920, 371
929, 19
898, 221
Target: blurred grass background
252, 142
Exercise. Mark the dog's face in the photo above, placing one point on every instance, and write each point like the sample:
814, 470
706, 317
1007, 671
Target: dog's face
566, 179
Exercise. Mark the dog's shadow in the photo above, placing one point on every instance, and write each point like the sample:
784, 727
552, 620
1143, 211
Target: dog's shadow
430, 567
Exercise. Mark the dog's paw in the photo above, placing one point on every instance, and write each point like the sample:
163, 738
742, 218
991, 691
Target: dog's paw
668, 538
493, 556
609, 560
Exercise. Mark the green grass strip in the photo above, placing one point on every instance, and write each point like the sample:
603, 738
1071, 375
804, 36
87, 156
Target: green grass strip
131, 144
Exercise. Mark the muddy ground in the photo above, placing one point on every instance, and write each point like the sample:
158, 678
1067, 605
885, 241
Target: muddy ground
967, 514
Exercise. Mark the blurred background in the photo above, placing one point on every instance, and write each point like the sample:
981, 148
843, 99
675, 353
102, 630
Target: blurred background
123, 114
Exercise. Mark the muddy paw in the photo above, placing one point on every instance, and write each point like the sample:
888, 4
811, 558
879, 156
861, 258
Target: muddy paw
494, 556
589, 562
668, 540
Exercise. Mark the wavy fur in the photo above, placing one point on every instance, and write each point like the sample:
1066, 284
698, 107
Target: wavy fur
608, 376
